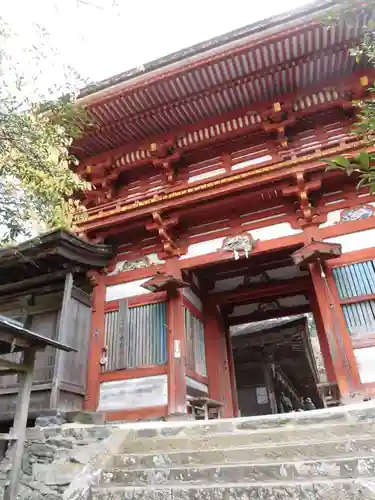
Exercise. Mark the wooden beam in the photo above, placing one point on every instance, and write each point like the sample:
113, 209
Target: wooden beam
105, 216
256, 293
19, 424
29, 282
13, 367
62, 335
262, 316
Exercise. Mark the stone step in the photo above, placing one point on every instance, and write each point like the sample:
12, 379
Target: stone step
306, 450
341, 415
277, 471
357, 489
236, 439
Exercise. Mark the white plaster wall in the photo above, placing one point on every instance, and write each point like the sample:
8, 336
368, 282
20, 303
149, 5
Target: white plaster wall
365, 359
126, 290
203, 248
332, 218
355, 241
254, 161
273, 232
206, 175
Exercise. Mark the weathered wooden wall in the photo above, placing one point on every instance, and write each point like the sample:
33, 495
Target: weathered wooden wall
43, 317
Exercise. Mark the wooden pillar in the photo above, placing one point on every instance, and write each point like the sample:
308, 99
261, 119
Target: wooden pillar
97, 341
232, 373
268, 370
338, 339
62, 334
323, 340
20, 423
219, 383
176, 347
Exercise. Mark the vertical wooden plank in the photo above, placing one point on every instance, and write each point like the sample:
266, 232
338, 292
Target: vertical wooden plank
232, 373
123, 334
96, 342
270, 386
19, 424
323, 340
176, 347
62, 335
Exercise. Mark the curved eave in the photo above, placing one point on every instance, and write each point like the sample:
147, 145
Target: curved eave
203, 49
239, 75
67, 245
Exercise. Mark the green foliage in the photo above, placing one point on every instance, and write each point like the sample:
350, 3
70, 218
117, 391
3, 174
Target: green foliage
361, 164
350, 11
35, 181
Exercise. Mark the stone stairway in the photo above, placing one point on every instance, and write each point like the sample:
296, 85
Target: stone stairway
326, 454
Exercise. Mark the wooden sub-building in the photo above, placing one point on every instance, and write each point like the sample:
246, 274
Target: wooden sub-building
45, 287
211, 190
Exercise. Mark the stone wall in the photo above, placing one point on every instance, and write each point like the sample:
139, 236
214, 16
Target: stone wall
54, 456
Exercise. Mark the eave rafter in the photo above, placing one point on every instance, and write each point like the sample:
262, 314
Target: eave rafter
242, 80
275, 118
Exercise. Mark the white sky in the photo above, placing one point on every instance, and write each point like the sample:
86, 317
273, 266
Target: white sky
120, 34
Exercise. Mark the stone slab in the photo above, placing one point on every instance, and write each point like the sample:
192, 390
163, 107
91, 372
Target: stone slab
289, 471
322, 490
311, 450
55, 474
238, 439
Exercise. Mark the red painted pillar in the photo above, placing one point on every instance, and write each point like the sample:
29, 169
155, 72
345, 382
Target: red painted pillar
97, 340
323, 341
219, 383
336, 334
232, 373
176, 347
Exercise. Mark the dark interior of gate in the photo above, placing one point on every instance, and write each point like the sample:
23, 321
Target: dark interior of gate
265, 304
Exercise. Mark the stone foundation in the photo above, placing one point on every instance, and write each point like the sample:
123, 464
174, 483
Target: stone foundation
54, 455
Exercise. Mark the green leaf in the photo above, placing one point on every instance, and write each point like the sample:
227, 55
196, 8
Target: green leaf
364, 160
341, 161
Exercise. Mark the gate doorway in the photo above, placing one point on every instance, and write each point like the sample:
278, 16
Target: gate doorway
265, 307
276, 365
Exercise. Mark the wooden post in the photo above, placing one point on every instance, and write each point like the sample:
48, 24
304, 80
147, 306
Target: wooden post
62, 334
97, 339
270, 386
20, 422
177, 392
337, 335
323, 341
232, 373
218, 372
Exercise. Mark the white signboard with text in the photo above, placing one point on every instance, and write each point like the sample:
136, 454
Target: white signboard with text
133, 393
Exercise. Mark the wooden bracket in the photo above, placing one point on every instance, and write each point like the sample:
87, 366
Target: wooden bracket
301, 191
164, 228
165, 154
94, 277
